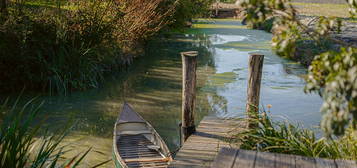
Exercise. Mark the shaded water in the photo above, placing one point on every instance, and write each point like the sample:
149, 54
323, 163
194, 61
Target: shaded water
153, 87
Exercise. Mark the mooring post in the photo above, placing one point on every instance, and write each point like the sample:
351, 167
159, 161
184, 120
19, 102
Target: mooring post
189, 64
255, 68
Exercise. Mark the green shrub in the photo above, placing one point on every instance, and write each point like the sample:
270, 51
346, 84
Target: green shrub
307, 49
58, 49
188, 9
68, 45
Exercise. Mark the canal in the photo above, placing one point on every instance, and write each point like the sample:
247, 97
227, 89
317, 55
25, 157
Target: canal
152, 85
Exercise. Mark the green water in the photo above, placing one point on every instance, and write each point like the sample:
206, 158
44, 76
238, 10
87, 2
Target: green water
153, 87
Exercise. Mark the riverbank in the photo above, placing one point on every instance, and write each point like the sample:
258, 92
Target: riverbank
59, 47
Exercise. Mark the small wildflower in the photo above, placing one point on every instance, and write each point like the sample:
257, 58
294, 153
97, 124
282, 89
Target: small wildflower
269, 106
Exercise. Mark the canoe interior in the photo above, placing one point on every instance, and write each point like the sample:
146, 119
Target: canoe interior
134, 148
136, 143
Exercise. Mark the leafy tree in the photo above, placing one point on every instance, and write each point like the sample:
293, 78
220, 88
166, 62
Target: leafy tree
332, 74
188, 9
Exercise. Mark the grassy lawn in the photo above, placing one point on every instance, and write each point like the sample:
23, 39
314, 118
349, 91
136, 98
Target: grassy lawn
322, 9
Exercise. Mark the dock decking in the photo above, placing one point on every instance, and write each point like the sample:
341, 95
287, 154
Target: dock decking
201, 148
208, 147
238, 158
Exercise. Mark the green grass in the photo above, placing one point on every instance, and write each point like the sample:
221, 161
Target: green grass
322, 9
216, 26
283, 137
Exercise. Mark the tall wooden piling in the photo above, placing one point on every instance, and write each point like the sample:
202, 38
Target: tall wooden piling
189, 64
253, 92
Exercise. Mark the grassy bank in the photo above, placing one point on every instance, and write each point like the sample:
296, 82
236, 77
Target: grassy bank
284, 137
61, 46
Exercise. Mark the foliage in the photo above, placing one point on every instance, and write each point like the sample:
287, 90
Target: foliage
283, 137
228, 1
20, 145
336, 72
142, 19
188, 9
72, 44
57, 49
332, 74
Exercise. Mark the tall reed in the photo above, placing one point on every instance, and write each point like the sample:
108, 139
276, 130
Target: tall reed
21, 144
59, 47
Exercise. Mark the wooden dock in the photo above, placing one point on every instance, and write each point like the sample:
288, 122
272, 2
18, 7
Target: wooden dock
202, 147
209, 147
238, 158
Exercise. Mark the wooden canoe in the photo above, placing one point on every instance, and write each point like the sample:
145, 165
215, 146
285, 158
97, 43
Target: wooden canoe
136, 143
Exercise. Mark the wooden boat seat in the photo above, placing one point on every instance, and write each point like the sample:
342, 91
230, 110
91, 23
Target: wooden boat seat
156, 159
134, 132
137, 151
154, 147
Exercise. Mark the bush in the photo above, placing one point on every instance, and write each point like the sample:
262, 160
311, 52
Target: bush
57, 49
71, 45
188, 9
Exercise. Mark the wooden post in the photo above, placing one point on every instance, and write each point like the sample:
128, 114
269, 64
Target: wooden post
253, 91
189, 64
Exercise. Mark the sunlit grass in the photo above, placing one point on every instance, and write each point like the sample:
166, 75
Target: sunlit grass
218, 26
284, 137
322, 9
221, 79
249, 46
216, 19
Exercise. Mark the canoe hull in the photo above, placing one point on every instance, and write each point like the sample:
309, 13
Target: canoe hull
117, 164
136, 143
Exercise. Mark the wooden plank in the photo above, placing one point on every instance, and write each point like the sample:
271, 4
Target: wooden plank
302, 162
201, 148
136, 151
153, 159
284, 161
225, 158
245, 159
346, 163
324, 163
265, 160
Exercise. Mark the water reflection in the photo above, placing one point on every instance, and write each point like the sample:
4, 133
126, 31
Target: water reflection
282, 83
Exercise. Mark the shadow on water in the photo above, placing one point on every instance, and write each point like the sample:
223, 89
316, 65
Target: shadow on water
152, 85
